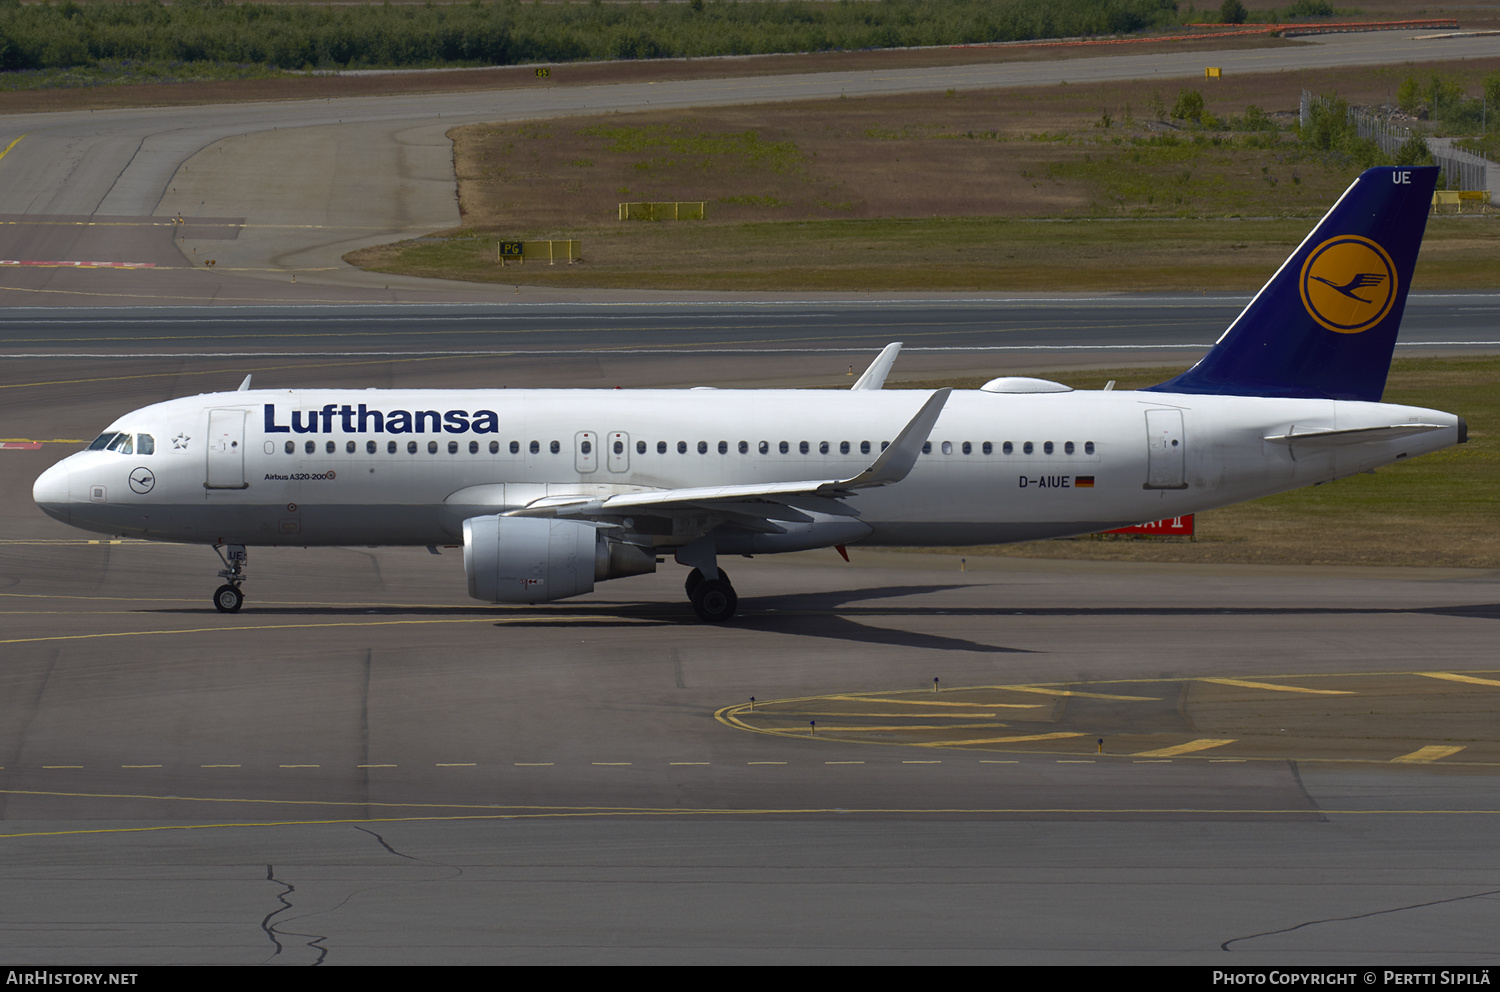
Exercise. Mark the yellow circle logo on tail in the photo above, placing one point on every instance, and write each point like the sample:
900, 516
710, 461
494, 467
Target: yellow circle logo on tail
1348, 284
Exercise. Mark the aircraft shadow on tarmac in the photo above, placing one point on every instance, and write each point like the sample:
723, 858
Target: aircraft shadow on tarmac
834, 615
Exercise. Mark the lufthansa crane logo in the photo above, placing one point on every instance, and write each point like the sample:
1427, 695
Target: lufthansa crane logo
1348, 284
141, 480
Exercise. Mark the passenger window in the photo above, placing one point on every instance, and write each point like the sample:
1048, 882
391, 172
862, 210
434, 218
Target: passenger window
784, 447
723, 447
453, 447
390, 447
411, 447
661, 447
947, 447
331, 447
555, 447
536, 447
310, 447
291, 447
474, 447
843, 447
822, 447
585, 447
349, 448
926, 447
764, 447
1047, 447
864, 447
988, 448
802, 447
682, 447
1088, 447
369, 447
432, 447
1068, 448
702, 447
515, 447
495, 447
744, 447
1027, 448
968, 448
145, 444
1007, 448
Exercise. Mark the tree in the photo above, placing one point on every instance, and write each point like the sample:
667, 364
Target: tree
1233, 12
1409, 95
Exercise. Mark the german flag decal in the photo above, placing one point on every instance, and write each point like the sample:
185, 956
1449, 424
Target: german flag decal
1084, 482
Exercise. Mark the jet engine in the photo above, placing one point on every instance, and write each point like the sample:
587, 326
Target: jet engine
535, 559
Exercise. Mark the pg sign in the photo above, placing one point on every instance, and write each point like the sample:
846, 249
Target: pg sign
512, 249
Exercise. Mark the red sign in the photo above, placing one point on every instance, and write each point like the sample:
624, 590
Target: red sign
1170, 527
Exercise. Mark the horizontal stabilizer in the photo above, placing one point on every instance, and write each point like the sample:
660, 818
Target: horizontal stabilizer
1358, 435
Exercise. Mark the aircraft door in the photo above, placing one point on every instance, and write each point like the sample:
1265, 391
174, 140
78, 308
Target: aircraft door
619, 451
586, 451
226, 450
1165, 451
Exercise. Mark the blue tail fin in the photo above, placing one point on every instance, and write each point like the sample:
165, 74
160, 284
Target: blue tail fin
1325, 325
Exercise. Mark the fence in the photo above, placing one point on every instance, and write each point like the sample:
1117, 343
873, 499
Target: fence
1462, 170
668, 210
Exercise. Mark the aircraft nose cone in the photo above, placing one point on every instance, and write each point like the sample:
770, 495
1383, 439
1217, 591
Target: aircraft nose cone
51, 492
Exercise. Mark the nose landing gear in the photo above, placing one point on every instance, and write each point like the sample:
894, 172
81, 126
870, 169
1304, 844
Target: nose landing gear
228, 598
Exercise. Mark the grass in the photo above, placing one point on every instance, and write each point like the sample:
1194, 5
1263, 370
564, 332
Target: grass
960, 191
958, 254
1435, 510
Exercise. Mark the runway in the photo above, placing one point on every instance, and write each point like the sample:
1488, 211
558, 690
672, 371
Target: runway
366, 767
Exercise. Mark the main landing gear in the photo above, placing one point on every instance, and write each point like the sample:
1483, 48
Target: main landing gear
714, 600
228, 598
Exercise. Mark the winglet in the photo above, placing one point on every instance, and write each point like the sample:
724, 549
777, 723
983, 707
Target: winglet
244, 385
874, 376
896, 461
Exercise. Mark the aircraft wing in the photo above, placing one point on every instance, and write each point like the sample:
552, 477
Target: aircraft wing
763, 500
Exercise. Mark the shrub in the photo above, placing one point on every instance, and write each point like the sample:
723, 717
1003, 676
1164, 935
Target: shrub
1189, 106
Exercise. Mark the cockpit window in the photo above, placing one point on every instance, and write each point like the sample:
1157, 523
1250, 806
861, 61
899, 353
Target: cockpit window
103, 440
145, 444
122, 445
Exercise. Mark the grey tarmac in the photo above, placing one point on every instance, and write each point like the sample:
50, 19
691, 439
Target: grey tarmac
365, 767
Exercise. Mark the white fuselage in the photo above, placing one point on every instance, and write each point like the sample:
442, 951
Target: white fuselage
407, 467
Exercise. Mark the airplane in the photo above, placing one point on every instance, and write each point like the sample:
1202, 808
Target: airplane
552, 490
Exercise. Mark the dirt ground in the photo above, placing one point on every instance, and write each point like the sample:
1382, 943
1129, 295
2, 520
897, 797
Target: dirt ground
948, 191
960, 154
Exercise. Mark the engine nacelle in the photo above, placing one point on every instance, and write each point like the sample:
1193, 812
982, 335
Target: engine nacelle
535, 559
